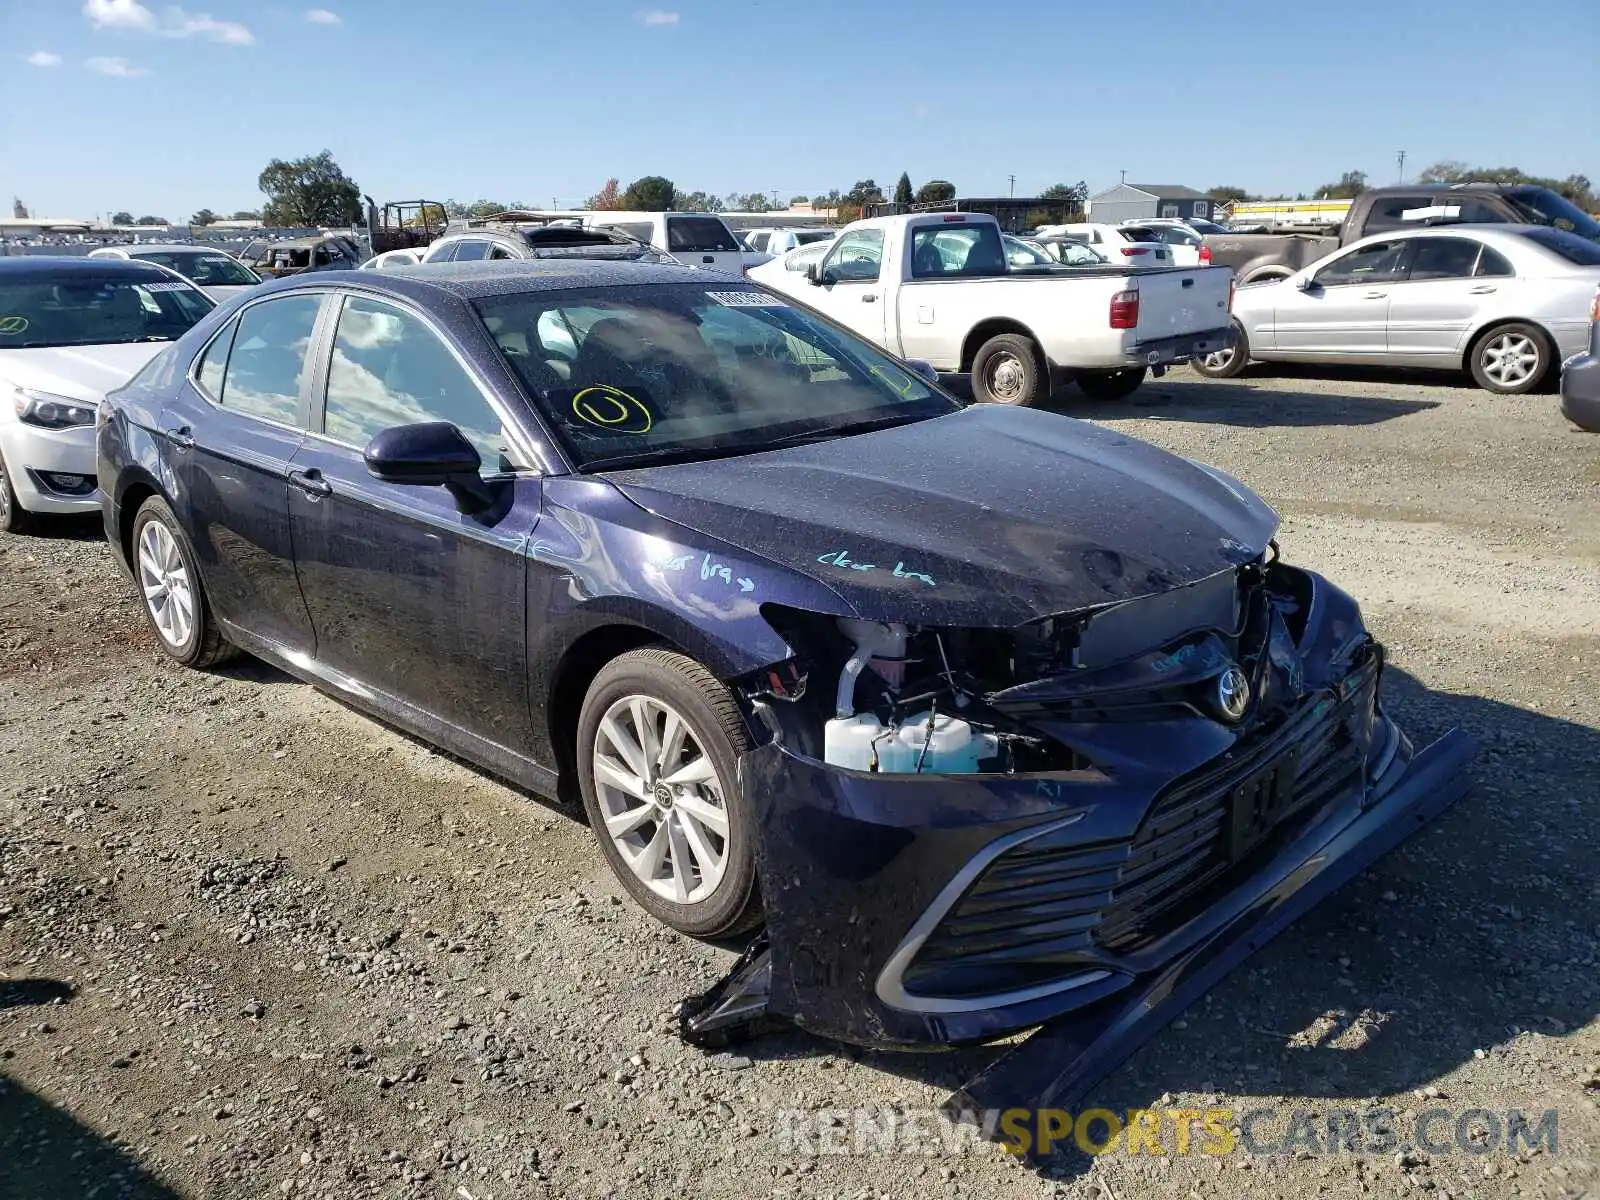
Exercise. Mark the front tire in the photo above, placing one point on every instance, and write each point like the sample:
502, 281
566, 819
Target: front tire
1112, 385
170, 587
1008, 369
13, 517
1510, 360
659, 739
1228, 362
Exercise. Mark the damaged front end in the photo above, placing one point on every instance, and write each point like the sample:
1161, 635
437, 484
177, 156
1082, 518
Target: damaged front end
962, 833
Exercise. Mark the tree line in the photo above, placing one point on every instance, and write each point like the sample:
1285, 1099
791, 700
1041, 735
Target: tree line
1351, 184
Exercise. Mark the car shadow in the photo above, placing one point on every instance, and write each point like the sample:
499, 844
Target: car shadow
1192, 399
46, 1153
74, 527
1444, 951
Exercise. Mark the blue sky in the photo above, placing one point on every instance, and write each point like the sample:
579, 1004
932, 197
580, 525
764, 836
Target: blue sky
131, 104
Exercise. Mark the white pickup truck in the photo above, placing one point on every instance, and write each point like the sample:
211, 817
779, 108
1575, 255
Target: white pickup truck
936, 287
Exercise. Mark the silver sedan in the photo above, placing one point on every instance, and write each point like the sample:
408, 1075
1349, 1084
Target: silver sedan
1504, 302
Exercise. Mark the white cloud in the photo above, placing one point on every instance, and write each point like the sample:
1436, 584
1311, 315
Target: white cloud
658, 16
118, 68
173, 22
119, 14
322, 16
43, 58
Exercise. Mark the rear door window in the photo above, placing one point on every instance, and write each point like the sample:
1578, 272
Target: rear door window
1443, 258
698, 234
268, 359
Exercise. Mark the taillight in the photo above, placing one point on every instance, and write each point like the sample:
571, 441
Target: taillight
1205, 256
1130, 251
1125, 310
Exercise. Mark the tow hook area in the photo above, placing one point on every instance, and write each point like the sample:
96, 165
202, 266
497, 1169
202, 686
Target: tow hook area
735, 1010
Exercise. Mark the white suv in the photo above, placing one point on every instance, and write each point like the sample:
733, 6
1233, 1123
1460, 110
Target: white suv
696, 239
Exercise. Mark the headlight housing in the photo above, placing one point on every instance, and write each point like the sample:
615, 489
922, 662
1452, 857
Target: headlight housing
49, 411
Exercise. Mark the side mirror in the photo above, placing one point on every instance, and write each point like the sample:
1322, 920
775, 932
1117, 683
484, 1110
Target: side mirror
814, 274
1306, 283
923, 368
429, 454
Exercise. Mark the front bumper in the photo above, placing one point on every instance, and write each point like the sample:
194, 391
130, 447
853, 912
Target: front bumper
906, 911
1580, 390
33, 456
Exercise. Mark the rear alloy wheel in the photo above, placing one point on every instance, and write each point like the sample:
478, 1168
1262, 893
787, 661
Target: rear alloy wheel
1511, 359
1007, 370
169, 584
1228, 362
658, 745
1111, 385
13, 517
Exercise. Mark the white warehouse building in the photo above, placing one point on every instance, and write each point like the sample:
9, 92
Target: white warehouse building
1130, 201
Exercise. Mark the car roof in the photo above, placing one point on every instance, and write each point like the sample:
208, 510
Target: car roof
1492, 230
55, 266
478, 280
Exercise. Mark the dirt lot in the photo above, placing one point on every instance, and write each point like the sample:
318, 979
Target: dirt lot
252, 944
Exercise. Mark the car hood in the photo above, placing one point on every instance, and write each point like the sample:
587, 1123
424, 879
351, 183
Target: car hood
80, 372
988, 517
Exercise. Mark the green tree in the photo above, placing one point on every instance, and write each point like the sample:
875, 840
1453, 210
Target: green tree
1576, 188
755, 202
1350, 185
698, 202
651, 193
1231, 195
827, 199
902, 190
309, 191
1447, 170
936, 191
246, 214
798, 200
864, 192
152, 221
122, 218
204, 217
1074, 195
608, 197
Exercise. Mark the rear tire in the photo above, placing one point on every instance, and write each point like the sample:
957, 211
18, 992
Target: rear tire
1511, 359
13, 517
1227, 363
672, 825
1008, 369
1112, 385
170, 588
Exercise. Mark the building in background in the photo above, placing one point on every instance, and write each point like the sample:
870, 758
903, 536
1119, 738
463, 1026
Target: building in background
1131, 201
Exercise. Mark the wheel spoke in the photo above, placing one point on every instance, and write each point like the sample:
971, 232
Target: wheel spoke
699, 770
609, 772
706, 860
624, 744
672, 736
701, 812
154, 591
647, 863
621, 824
682, 864
644, 727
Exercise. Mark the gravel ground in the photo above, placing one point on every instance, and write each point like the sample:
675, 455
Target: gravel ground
252, 944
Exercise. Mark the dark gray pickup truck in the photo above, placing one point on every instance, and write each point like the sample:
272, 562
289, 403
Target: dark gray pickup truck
1257, 256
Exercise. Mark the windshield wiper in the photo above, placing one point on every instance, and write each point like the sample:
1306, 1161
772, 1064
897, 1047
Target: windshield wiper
678, 454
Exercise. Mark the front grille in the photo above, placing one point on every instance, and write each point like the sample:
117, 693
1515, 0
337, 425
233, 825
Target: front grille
1041, 909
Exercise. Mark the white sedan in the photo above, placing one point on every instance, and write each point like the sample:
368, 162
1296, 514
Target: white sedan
1504, 302
71, 330
779, 273
1130, 247
215, 272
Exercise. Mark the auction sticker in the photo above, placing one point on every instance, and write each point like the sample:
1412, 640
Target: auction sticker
163, 286
747, 300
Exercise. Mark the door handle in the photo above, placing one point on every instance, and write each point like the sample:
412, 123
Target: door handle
708, 259
311, 482
181, 437
1376, 295
1484, 290
869, 297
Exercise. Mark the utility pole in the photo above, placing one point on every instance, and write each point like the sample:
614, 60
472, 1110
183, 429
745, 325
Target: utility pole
1013, 180
1400, 159
1124, 177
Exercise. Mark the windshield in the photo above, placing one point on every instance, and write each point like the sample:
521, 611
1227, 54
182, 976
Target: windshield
206, 268
649, 374
1544, 207
89, 311
1020, 254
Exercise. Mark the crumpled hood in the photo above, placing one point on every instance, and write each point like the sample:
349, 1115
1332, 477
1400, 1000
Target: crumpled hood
84, 373
987, 517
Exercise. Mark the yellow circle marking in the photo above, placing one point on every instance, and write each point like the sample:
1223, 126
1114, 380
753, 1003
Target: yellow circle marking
13, 325
612, 408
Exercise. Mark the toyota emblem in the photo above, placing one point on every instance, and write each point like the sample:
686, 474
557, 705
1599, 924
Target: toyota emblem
1233, 694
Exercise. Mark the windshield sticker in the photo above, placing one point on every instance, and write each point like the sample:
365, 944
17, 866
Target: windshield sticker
173, 286
747, 300
609, 408
11, 326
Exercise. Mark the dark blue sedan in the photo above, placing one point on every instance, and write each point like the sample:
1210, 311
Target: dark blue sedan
987, 714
